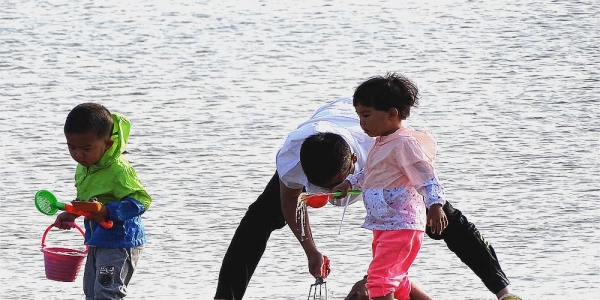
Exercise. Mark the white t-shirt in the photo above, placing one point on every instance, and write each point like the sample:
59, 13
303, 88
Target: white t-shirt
337, 117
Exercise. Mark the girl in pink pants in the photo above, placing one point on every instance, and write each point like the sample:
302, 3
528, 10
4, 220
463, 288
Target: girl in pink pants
398, 183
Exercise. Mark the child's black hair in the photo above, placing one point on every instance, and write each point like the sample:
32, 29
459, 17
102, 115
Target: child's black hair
89, 117
386, 92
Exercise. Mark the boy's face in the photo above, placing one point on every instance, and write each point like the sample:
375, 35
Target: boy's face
87, 148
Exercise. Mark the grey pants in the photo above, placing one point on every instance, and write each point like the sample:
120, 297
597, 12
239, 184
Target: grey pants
108, 271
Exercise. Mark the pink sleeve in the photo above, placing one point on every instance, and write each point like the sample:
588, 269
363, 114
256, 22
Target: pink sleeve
414, 162
419, 172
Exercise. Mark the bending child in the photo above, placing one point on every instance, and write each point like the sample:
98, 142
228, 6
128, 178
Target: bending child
96, 140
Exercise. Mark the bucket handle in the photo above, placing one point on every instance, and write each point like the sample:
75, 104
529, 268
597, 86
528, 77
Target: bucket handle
52, 225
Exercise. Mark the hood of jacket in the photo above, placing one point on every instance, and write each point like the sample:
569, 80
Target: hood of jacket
97, 179
120, 137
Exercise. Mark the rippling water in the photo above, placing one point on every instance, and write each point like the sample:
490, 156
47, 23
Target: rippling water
510, 90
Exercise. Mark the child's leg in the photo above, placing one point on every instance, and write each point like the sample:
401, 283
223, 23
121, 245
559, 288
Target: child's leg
359, 292
393, 254
89, 274
108, 271
416, 293
389, 296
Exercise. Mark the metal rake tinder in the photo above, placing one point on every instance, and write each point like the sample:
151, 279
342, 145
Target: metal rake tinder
318, 290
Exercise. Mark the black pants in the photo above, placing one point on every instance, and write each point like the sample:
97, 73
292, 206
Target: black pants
264, 216
463, 238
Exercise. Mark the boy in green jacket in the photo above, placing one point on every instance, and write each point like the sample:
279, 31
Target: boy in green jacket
96, 140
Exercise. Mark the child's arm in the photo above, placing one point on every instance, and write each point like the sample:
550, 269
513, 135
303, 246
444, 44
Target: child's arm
356, 180
65, 220
436, 219
133, 199
433, 196
415, 160
125, 209
351, 181
422, 176
99, 216
343, 188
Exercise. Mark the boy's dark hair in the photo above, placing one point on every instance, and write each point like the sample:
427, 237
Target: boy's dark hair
89, 117
323, 156
385, 92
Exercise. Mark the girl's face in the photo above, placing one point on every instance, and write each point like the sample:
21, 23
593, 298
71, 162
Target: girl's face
376, 122
86, 148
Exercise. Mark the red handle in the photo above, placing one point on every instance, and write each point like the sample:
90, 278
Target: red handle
325, 267
52, 225
73, 210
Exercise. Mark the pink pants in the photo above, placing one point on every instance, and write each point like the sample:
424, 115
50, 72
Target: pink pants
394, 251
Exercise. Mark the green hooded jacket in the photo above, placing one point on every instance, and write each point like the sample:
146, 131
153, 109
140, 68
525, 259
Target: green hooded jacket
114, 183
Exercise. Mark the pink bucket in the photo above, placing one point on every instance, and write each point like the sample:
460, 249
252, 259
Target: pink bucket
62, 264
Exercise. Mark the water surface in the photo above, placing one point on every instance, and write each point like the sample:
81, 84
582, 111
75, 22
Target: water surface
510, 90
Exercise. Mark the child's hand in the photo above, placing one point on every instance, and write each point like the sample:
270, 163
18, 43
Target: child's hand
99, 216
65, 220
359, 291
436, 219
342, 187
